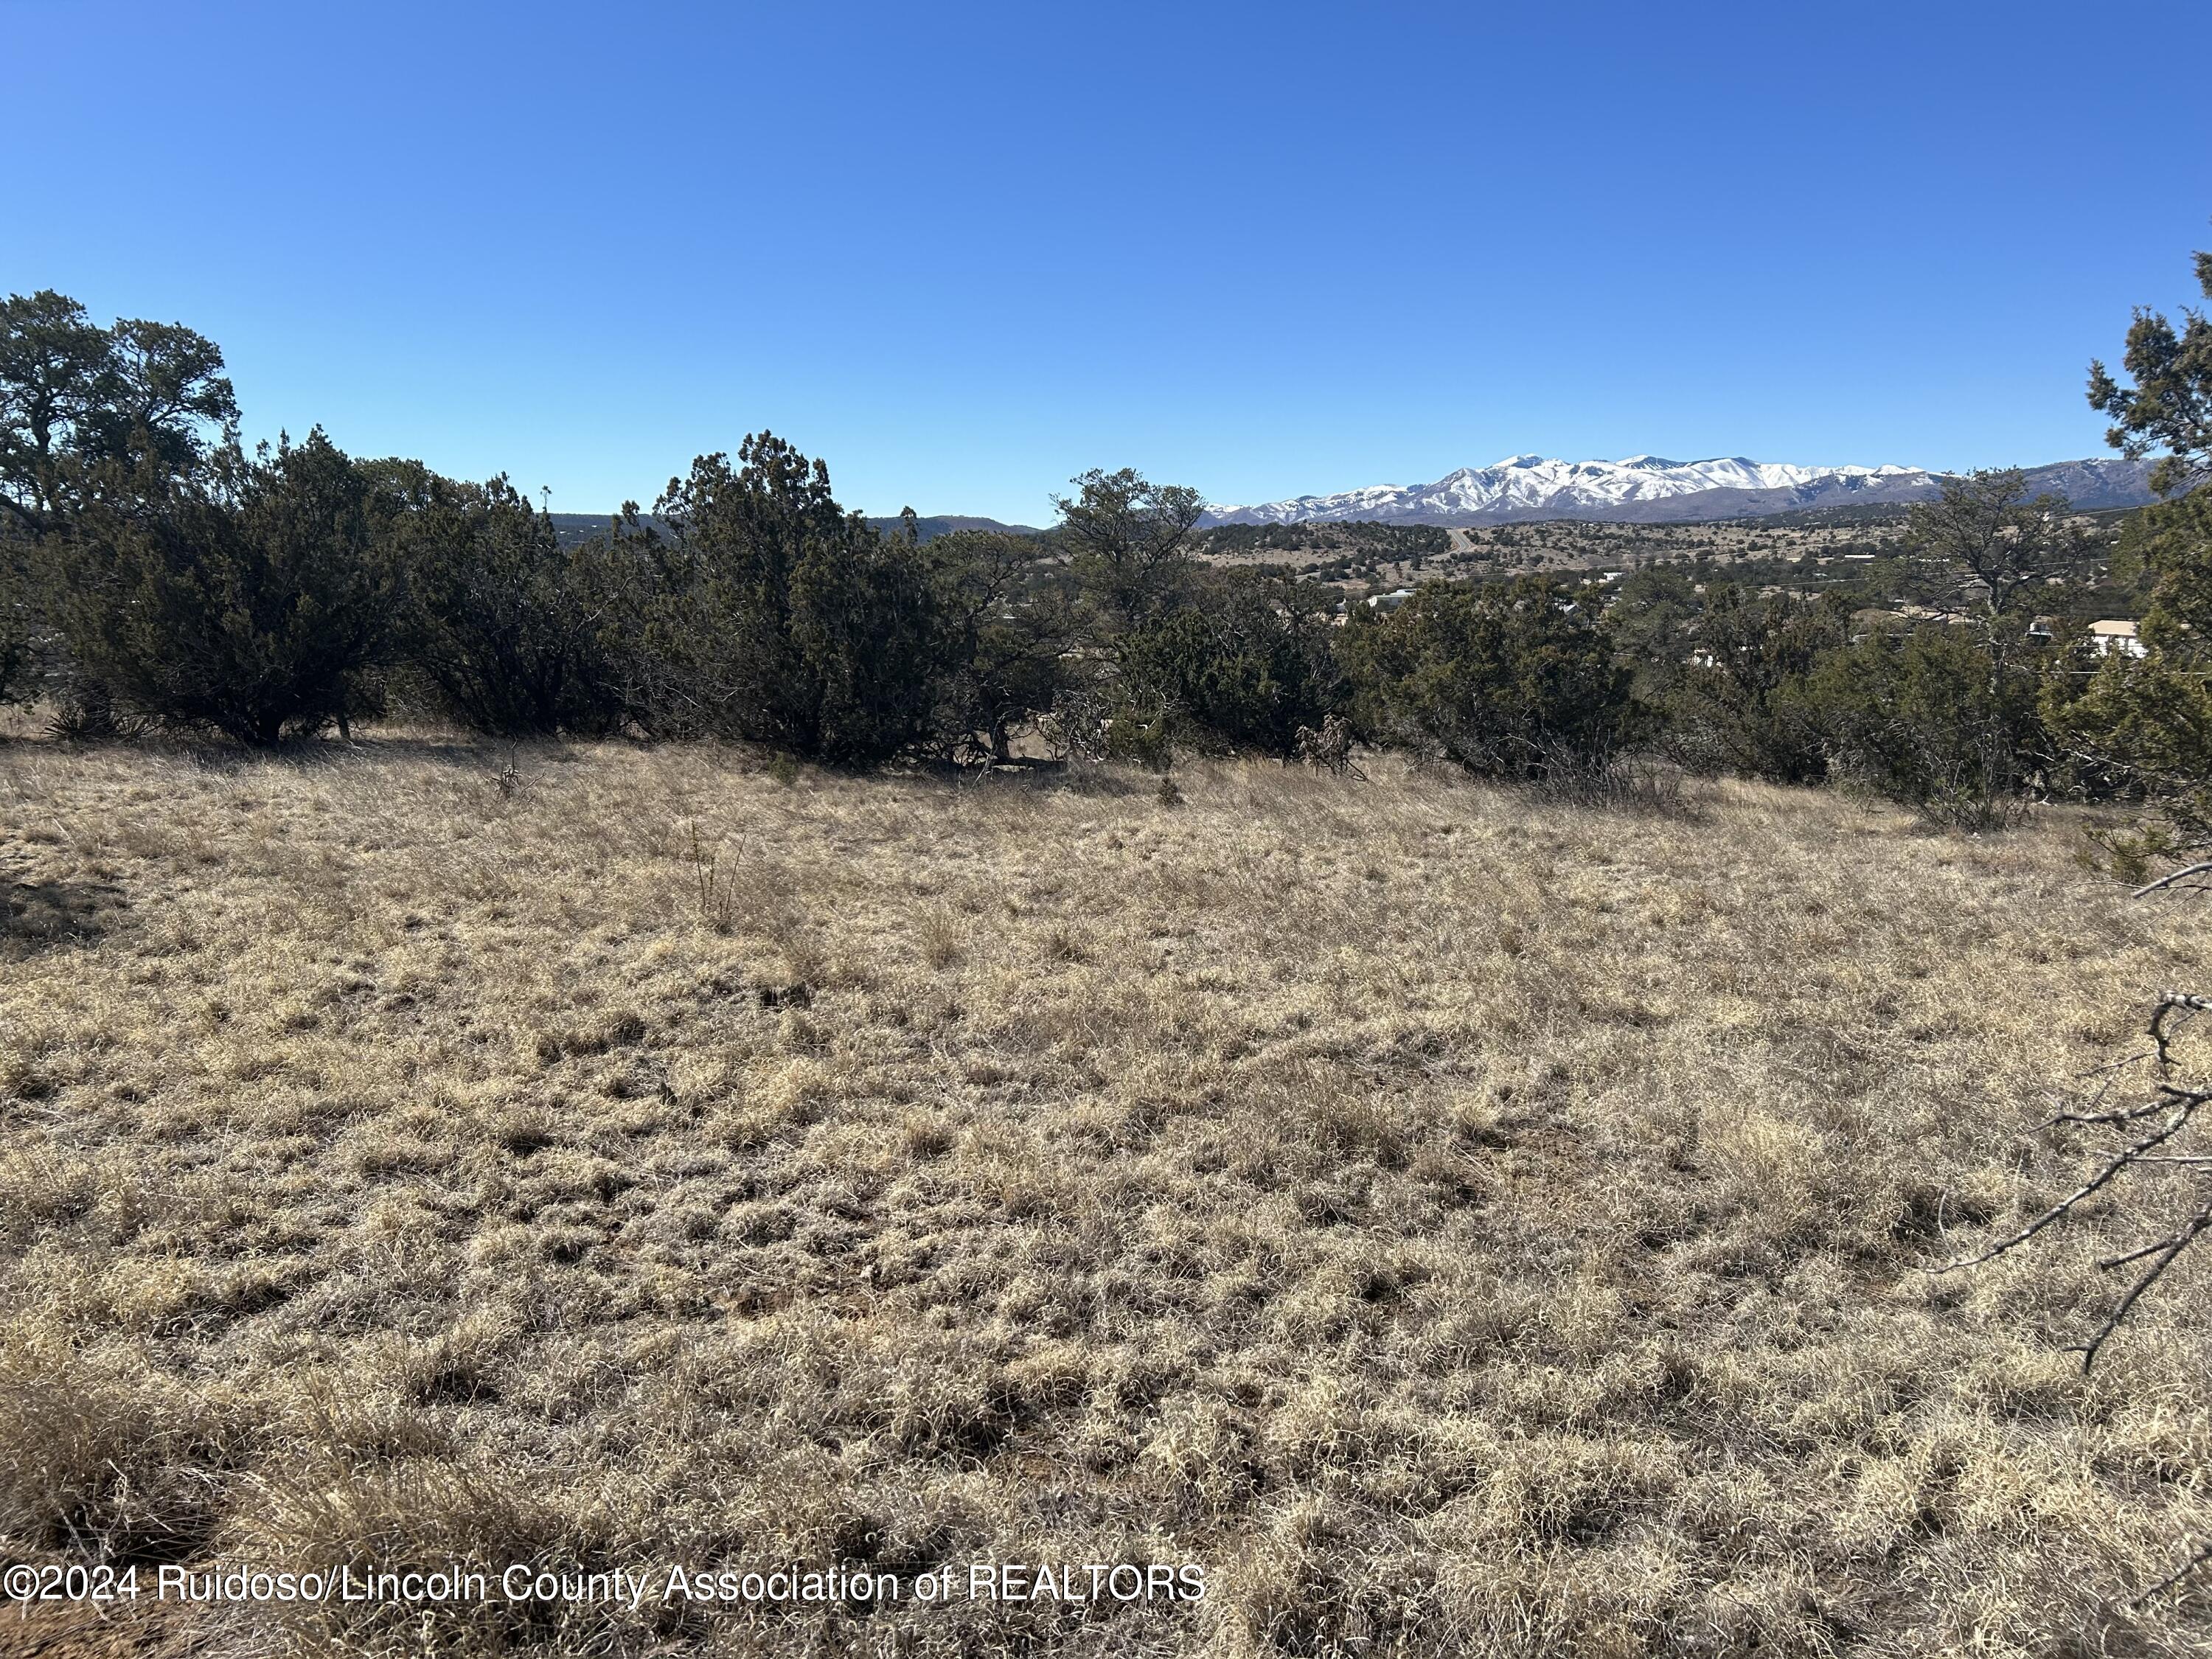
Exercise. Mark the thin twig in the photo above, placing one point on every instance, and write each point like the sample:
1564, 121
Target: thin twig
2120, 1065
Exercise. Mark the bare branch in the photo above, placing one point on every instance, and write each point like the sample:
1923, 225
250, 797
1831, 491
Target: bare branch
2169, 880
2198, 1558
2125, 1114
2167, 1255
2064, 1206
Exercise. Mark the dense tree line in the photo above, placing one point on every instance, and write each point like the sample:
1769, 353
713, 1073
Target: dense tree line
1365, 539
154, 572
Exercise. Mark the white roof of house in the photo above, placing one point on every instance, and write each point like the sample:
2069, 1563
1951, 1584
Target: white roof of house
2114, 626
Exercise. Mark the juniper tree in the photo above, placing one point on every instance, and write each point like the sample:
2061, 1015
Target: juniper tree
2169, 406
2144, 727
251, 599
1244, 663
1009, 630
493, 616
1740, 703
17, 619
752, 605
1989, 532
1931, 719
85, 411
1511, 681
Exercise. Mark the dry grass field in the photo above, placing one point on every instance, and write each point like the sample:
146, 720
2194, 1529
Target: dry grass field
1462, 1222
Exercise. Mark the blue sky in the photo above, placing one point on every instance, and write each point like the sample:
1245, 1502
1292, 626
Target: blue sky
965, 251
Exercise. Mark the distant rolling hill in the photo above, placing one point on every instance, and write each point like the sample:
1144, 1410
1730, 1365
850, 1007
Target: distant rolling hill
946, 524
574, 527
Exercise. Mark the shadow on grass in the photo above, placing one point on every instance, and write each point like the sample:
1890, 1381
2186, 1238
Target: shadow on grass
1030, 776
463, 751
42, 915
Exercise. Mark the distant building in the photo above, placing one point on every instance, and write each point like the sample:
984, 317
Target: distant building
1391, 601
1921, 613
2117, 638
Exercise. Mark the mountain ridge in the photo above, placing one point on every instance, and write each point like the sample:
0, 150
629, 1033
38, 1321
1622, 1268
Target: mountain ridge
1652, 490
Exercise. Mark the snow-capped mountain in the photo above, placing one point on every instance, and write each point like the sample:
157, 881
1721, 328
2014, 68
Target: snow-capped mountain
1646, 488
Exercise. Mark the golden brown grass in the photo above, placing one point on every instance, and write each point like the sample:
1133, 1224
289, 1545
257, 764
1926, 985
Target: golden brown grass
1465, 1224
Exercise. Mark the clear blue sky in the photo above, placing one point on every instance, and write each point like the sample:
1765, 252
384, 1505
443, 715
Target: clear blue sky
964, 251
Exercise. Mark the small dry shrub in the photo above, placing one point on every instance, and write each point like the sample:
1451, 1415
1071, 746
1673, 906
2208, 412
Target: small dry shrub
941, 937
102, 1456
326, 1510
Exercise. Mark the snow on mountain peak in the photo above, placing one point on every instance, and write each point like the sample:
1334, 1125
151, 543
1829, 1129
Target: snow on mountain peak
1650, 488
1637, 487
